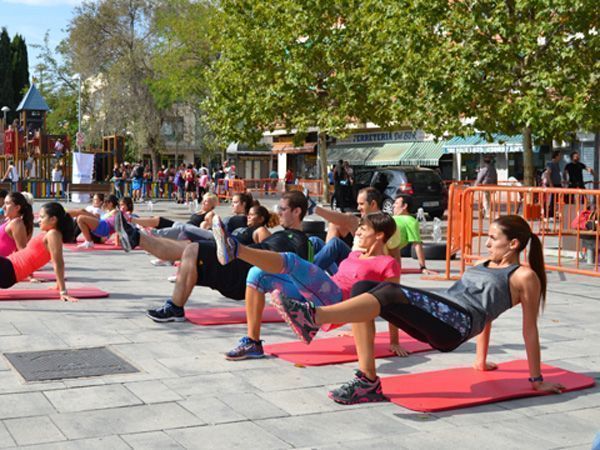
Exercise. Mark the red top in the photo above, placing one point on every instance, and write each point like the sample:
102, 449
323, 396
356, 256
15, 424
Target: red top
31, 258
9, 142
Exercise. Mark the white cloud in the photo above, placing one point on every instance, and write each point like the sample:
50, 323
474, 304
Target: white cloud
45, 2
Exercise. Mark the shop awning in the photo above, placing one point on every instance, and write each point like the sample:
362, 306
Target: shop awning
241, 149
478, 144
388, 154
288, 147
356, 155
423, 154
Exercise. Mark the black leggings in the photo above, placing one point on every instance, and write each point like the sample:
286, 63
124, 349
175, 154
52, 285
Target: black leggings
7, 273
406, 308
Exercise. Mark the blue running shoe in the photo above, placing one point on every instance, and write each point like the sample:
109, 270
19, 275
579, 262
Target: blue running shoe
226, 245
169, 312
358, 390
246, 349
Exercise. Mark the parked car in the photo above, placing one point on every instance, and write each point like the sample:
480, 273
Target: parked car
425, 186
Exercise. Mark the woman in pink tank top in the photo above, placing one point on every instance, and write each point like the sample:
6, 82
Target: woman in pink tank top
17, 228
57, 227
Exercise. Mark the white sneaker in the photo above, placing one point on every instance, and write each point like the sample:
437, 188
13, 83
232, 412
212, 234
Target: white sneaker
159, 262
172, 279
86, 244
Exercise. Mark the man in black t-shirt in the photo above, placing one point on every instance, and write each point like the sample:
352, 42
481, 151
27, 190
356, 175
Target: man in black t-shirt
200, 267
573, 172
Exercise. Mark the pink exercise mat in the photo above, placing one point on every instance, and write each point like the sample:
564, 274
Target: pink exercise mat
50, 294
227, 316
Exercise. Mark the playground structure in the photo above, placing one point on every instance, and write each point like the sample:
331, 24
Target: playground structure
27, 138
35, 153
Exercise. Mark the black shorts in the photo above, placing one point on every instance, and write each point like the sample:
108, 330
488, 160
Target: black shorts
7, 274
164, 223
229, 280
400, 305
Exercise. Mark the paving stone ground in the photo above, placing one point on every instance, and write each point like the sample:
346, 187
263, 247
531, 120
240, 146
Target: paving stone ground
187, 396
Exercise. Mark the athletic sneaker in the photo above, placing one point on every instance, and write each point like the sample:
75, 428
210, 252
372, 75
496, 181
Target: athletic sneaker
129, 236
311, 203
299, 315
358, 390
246, 349
169, 312
86, 244
160, 262
172, 279
226, 245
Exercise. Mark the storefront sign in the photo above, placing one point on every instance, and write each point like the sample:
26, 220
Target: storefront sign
382, 137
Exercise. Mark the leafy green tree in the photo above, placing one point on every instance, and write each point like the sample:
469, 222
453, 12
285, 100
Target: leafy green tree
180, 59
110, 43
6, 85
54, 79
515, 66
295, 65
19, 68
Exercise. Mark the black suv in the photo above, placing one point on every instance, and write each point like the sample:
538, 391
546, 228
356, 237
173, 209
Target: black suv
425, 186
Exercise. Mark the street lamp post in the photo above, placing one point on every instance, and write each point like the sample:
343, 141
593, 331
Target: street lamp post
78, 78
5, 109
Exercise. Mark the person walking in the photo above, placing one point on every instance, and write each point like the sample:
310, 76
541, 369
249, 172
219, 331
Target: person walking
11, 175
487, 176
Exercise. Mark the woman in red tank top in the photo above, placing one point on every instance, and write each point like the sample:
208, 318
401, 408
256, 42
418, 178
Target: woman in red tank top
57, 228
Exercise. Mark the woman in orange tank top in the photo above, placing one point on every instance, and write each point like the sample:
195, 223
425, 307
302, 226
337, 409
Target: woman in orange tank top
57, 228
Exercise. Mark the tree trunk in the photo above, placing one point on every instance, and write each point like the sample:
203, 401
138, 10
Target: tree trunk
154, 155
596, 159
528, 176
323, 159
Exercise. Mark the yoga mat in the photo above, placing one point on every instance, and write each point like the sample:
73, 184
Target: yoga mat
410, 271
74, 248
50, 294
227, 316
463, 387
338, 350
44, 276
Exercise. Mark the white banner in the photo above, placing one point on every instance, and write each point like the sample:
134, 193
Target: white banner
83, 170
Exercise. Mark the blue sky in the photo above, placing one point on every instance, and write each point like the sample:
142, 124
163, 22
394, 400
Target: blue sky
32, 18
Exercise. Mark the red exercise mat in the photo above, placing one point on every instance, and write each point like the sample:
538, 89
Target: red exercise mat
50, 294
338, 350
227, 316
459, 388
410, 271
44, 276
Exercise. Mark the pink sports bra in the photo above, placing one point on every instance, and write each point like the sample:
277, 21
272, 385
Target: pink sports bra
7, 244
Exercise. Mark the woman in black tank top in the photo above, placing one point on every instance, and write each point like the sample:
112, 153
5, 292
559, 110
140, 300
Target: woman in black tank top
259, 218
444, 321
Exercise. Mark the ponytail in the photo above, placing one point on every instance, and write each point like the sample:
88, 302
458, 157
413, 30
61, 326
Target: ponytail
536, 262
25, 210
64, 224
515, 227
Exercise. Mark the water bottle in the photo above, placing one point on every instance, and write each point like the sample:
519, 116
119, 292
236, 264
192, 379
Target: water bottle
150, 205
437, 230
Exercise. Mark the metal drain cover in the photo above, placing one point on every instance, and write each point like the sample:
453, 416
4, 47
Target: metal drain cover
59, 364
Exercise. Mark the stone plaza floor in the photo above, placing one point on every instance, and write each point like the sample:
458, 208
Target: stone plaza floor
186, 395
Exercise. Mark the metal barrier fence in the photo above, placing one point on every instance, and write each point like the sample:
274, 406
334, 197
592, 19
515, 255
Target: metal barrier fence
564, 219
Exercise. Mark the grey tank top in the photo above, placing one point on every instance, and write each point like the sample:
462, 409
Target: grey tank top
482, 292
